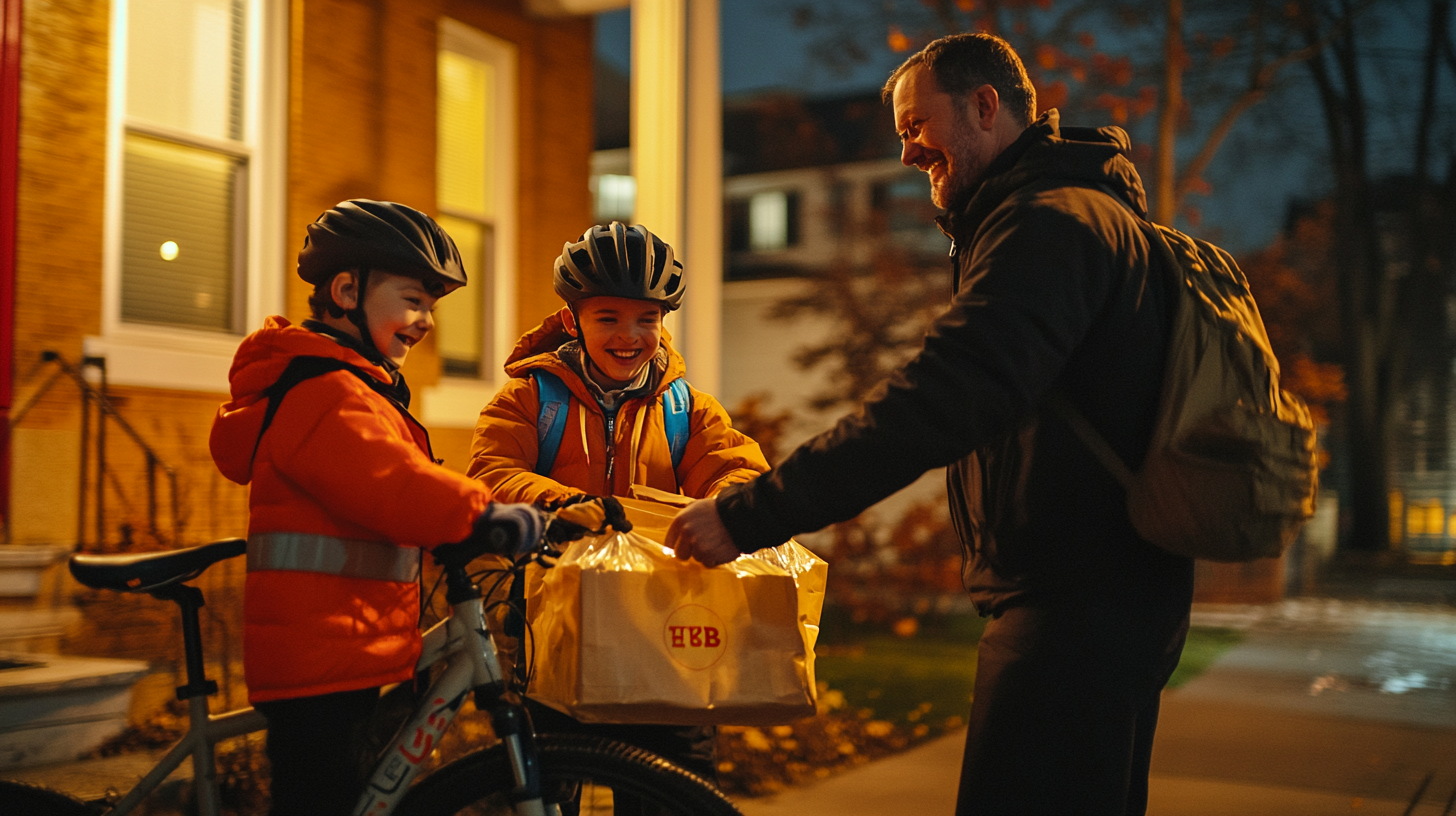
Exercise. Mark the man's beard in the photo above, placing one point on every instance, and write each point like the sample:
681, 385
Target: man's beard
969, 168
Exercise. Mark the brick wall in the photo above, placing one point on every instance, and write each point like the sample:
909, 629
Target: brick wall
361, 124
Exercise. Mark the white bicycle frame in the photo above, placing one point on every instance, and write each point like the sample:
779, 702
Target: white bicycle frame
463, 640
206, 731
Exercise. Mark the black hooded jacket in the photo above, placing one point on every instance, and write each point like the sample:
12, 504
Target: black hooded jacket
1053, 295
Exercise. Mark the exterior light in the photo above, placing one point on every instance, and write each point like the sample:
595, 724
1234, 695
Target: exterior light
169, 251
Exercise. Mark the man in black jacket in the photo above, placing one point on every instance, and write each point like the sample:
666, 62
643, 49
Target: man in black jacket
1055, 299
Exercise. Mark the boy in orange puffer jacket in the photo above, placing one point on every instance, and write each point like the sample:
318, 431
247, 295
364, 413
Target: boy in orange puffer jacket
345, 493
597, 403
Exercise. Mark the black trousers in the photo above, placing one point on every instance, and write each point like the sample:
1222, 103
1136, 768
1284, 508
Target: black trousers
1066, 703
320, 750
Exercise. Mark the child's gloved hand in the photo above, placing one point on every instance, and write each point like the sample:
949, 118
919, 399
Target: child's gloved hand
503, 529
587, 515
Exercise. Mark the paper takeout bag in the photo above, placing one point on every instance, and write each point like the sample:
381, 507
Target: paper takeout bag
625, 632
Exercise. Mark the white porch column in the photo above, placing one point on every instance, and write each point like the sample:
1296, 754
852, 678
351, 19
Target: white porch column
677, 157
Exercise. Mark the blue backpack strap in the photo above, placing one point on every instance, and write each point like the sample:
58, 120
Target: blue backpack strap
551, 421
677, 407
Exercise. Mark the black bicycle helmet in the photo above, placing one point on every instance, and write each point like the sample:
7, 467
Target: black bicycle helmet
364, 234
619, 261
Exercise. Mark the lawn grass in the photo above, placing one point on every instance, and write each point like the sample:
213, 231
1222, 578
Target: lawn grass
1205, 645
928, 678
904, 681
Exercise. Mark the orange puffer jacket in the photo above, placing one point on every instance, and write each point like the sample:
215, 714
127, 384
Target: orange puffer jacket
503, 454
340, 467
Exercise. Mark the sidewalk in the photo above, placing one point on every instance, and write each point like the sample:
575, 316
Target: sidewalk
1327, 707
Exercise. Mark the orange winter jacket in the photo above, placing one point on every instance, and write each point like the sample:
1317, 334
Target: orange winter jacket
341, 471
503, 454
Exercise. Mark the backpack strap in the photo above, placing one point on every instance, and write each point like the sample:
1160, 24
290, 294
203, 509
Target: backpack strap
551, 421
1058, 402
677, 408
1094, 441
299, 369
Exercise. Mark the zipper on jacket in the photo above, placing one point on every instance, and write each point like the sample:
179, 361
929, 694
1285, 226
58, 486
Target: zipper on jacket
611, 427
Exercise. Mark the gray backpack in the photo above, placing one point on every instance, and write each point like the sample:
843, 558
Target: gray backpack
1230, 473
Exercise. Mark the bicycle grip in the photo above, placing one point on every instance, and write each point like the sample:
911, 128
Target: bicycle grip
503, 529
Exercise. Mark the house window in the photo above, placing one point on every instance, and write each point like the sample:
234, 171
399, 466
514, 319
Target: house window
185, 164
473, 158
838, 207
197, 126
615, 198
763, 222
900, 208
773, 220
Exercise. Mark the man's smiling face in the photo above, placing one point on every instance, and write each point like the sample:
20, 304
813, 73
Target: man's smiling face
621, 335
940, 134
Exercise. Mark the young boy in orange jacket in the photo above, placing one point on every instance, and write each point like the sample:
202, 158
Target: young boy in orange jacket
345, 493
597, 403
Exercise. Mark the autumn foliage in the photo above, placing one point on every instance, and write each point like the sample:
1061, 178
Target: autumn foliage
1294, 285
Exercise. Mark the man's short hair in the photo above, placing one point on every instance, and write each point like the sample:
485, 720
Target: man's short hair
962, 63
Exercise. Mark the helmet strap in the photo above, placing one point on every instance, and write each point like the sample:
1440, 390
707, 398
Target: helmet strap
360, 319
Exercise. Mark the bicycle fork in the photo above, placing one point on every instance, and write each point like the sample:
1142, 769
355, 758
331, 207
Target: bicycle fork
464, 641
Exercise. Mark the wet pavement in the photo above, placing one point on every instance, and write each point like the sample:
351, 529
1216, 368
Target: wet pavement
1348, 704
1326, 707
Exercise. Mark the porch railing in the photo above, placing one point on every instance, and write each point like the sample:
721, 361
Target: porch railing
96, 409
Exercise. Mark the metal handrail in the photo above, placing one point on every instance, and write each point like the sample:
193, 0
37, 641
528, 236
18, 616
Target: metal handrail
105, 408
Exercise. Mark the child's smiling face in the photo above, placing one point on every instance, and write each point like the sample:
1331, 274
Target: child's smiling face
398, 309
400, 312
621, 335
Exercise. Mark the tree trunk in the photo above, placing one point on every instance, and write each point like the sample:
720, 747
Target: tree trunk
1166, 197
1367, 305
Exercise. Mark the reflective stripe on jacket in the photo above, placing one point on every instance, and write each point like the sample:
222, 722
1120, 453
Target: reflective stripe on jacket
327, 555
339, 476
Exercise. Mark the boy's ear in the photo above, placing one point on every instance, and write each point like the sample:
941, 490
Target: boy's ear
568, 319
344, 288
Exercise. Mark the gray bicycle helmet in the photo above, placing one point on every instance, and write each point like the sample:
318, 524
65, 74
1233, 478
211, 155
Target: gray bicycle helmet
364, 234
619, 261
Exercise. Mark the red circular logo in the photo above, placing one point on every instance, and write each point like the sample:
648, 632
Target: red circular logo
695, 636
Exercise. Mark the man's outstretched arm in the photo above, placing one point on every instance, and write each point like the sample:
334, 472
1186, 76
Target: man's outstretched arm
986, 364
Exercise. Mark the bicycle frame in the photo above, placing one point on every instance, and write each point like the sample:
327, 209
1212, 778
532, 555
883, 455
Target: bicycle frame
206, 730
464, 641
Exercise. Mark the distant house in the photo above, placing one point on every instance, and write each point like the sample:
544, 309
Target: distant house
811, 185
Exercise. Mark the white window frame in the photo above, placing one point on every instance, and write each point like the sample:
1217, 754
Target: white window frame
455, 402
182, 358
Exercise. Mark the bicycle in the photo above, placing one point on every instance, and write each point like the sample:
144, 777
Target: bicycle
526, 773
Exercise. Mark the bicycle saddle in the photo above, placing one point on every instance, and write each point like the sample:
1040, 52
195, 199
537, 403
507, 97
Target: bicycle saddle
148, 571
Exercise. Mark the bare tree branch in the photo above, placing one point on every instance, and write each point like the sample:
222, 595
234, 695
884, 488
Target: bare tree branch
1259, 88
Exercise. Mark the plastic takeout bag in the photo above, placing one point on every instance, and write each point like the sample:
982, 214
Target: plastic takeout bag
625, 632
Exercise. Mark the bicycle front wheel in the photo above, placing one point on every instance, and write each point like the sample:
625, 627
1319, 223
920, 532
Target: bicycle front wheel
19, 798
586, 775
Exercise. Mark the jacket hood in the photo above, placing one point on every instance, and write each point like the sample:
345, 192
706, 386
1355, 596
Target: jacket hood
537, 349
1045, 151
260, 360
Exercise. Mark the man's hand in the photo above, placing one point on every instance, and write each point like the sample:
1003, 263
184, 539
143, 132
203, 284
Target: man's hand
698, 532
